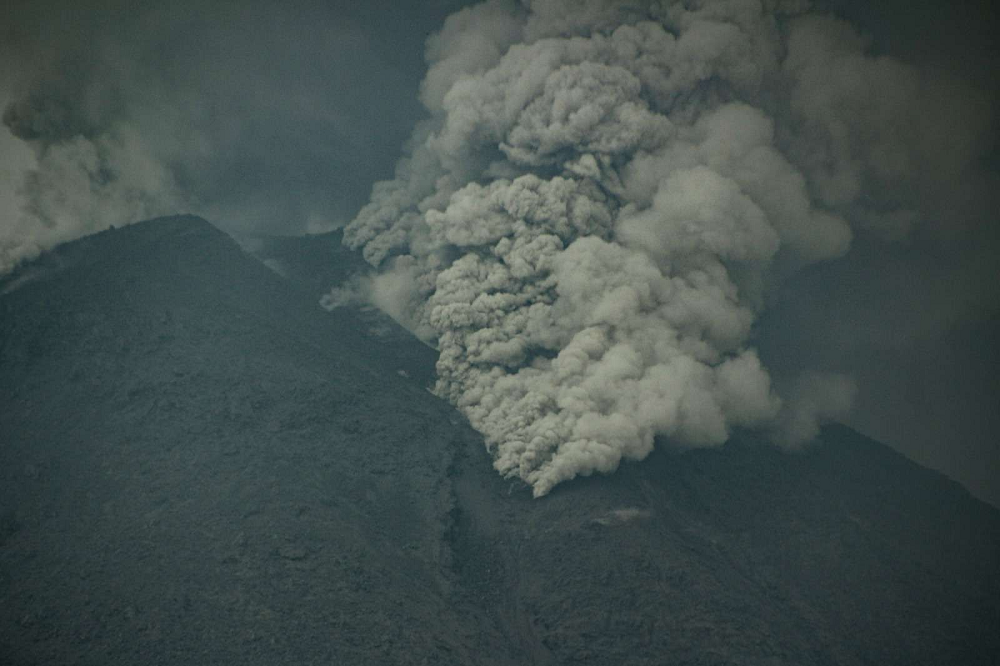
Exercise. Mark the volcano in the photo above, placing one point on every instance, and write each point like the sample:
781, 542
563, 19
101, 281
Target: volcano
198, 464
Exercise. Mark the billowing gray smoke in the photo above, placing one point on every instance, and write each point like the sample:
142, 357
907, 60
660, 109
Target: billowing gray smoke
607, 193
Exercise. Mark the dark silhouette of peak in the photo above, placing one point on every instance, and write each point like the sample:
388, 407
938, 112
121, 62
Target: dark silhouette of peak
200, 465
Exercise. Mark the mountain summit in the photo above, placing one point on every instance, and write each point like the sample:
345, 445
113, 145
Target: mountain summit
200, 465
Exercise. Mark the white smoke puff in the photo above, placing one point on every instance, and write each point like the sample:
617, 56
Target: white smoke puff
588, 223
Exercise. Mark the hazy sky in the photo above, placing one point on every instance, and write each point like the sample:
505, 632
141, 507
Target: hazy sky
263, 115
279, 117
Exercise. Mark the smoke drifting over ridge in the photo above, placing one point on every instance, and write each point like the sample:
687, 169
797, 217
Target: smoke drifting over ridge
255, 115
607, 196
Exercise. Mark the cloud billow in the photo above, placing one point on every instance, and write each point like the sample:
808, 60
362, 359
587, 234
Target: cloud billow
605, 195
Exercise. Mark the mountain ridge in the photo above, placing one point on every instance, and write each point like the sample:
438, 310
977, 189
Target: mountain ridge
199, 464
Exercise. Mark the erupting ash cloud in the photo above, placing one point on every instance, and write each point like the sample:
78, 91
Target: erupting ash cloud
606, 194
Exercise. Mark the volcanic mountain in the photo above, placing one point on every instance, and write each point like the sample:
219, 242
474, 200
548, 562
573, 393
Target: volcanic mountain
200, 465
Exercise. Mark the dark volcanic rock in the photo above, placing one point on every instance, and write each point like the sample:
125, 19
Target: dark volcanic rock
199, 465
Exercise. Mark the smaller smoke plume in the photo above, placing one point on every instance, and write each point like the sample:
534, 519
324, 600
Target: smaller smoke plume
74, 184
256, 117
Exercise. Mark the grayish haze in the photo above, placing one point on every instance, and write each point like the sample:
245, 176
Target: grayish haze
261, 116
854, 239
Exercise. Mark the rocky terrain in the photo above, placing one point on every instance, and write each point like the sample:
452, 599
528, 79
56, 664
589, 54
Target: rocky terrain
199, 465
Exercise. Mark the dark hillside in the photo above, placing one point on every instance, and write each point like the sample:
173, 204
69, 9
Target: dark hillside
199, 465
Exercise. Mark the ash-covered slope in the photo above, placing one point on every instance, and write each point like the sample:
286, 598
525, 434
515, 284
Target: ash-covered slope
199, 465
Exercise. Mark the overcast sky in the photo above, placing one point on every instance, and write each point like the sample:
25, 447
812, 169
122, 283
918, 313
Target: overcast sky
279, 118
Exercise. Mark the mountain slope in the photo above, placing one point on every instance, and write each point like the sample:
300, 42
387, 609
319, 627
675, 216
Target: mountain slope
199, 465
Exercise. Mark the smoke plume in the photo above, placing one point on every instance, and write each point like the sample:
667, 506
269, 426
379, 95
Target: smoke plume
608, 195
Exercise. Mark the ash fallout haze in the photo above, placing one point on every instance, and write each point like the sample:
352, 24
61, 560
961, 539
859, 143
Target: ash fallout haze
623, 225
